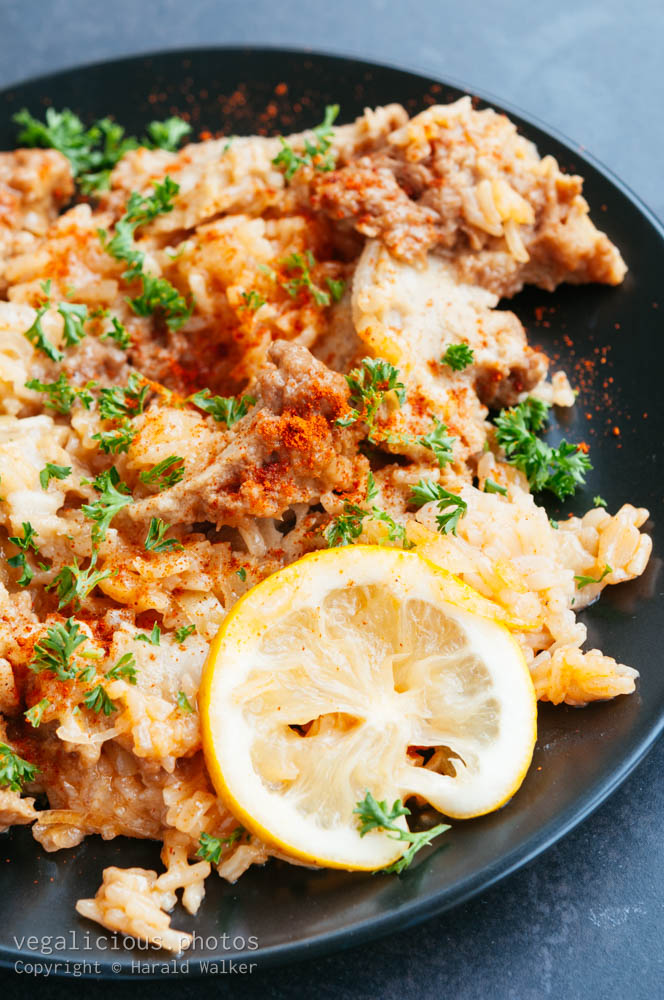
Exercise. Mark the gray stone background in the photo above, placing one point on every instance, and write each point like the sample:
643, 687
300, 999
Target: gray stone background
586, 919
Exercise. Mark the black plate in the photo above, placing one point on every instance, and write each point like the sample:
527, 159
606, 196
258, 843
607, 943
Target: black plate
581, 756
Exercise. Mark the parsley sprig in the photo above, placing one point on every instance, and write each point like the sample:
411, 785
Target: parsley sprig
120, 404
51, 471
458, 356
183, 632
368, 386
73, 584
60, 395
94, 151
374, 815
35, 714
154, 639
160, 296
451, 507
118, 333
114, 495
210, 847
98, 700
165, 473
25, 543
36, 334
252, 300
317, 153
14, 771
559, 470
167, 134
584, 581
157, 294
224, 409
55, 650
156, 541
74, 317
125, 667
347, 527
121, 401
300, 267
117, 439
491, 487
439, 442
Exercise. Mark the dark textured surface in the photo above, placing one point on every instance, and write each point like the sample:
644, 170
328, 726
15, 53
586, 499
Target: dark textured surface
587, 918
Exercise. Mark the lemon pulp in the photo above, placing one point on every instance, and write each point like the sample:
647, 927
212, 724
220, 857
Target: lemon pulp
348, 672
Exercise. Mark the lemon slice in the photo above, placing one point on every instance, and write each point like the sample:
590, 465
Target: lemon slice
342, 674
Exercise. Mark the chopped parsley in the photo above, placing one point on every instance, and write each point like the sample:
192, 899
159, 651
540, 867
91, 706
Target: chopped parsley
599, 502
183, 632
93, 152
373, 815
242, 573
153, 639
64, 131
61, 395
368, 386
168, 134
157, 295
97, 700
74, 317
118, 333
224, 409
439, 442
51, 471
210, 847
14, 771
54, 651
165, 473
155, 541
35, 714
458, 357
116, 440
491, 487
20, 562
125, 667
73, 584
451, 507
118, 401
424, 492
584, 581
36, 335
252, 300
347, 527
317, 153
25, 544
304, 264
337, 287
114, 495
183, 702
559, 470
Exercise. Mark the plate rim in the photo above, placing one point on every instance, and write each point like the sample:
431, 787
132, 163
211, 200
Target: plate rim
417, 910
